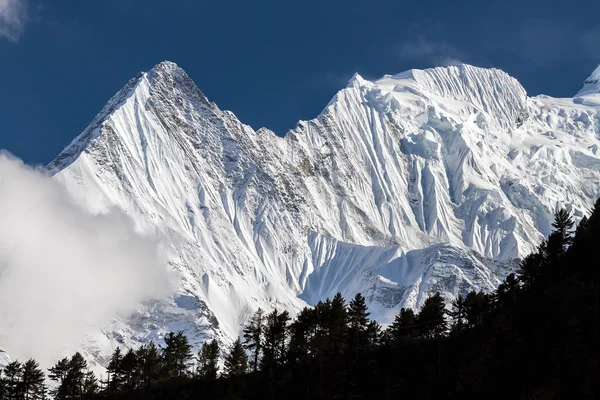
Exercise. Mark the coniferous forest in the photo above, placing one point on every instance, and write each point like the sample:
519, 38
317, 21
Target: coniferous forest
535, 337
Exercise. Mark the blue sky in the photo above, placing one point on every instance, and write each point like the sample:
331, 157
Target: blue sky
272, 62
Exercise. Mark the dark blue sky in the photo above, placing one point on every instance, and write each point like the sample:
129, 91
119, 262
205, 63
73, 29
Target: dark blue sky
272, 62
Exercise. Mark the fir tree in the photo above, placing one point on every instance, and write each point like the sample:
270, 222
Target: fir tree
236, 362
403, 325
69, 375
358, 319
562, 236
13, 376
531, 266
432, 317
302, 332
208, 360
75, 378
476, 305
129, 367
33, 378
253, 336
149, 364
58, 373
115, 372
506, 294
176, 355
90, 386
274, 345
373, 334
563, 225
320, 342
458, 313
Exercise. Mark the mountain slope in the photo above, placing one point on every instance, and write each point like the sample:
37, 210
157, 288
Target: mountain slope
427, 180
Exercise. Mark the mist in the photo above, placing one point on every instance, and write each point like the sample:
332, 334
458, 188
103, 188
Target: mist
64, 271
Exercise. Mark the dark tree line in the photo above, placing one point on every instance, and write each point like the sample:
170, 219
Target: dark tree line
534, 337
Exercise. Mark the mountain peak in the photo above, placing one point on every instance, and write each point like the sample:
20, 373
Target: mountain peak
167, 68
356, 80
166, 84
488, 89
594, 77
592, 84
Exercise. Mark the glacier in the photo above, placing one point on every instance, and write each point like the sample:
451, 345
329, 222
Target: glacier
429, 180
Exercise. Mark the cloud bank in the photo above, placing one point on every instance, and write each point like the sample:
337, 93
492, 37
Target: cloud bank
13, 16
63, 271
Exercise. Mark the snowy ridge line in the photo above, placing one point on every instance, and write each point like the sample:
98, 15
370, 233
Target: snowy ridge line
433, 180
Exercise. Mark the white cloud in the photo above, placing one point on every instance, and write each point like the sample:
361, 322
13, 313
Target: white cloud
13, 16
63, 271
438, 53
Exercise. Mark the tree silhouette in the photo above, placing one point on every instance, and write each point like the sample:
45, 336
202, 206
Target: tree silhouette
253, 336
403, 325
115, 373
274, 344
476, 305
149, 364
432, 317
33, 381
236, 362
176, 355
13, 375
358, 319
562, 236
208, 360
458, 313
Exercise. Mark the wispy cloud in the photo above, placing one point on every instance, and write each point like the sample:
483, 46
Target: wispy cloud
425, 42
436, 52
13, 17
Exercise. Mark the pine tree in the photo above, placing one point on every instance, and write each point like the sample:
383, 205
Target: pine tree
302, 333
582, 227
149, 364
90, 386
563, 223
338, 324
129, 366
432, 317
253, 336
403, 325
75, 378
70, 375
458, 314
476, 305
115, 373
275, 334
506, 293
176, 355
373, 334
236, 362
208, 360
33, 386
358, 319
58, 373
13, 377
531, 266
562, 236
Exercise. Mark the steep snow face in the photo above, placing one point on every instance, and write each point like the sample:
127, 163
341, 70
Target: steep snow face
4, 358
432, 180
591, 89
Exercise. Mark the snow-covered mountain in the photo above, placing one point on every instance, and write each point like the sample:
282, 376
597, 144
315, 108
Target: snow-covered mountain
429, 180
